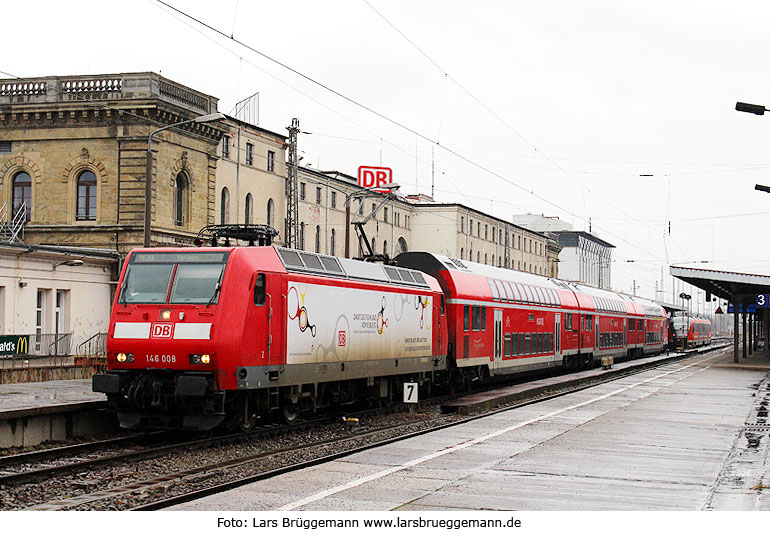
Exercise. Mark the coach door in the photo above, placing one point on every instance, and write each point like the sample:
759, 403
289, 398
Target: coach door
498, 357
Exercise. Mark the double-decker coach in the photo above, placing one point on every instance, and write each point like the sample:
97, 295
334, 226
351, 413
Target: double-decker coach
503, 321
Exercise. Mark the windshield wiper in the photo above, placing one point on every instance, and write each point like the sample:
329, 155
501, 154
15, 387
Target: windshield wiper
217, 288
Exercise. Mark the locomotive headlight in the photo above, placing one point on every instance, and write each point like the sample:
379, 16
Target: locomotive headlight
200, 359
125, 358
165, 314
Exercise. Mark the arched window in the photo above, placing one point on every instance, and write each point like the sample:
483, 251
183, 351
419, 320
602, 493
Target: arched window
331, 249
318, 239
478, 256
485, 259
225, 206
384, 247
374, 246
302, 236
86, 201
22, 194
462, 253
180, 198
270, 212
247, 217
402, 247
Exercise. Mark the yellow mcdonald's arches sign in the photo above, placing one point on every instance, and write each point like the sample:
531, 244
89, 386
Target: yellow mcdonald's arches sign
22, 345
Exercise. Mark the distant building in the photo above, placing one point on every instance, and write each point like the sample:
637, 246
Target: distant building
584, 257
458, 231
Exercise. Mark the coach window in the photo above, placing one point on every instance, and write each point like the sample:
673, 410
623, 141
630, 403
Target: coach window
259, 290
466, 318
483, 318
442, 305
568, 322
476, 311
507, 351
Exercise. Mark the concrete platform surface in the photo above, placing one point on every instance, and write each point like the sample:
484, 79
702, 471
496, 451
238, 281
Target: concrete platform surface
33, 413
691, 435
21, 399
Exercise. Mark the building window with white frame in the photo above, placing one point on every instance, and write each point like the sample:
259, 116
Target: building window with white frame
271, 160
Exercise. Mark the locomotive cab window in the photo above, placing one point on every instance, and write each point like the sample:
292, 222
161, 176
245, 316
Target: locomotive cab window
259, 290
191, 278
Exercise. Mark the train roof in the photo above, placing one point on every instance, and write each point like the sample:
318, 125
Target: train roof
315, 263
529, 288
274, 258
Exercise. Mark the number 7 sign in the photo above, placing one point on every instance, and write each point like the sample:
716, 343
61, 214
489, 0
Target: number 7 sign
410, 393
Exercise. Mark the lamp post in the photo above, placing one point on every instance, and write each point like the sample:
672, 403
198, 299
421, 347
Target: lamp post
149, 175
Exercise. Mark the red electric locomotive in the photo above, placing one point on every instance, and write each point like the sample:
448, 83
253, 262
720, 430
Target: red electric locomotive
200, 334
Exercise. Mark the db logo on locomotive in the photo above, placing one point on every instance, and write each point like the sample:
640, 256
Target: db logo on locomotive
161, 331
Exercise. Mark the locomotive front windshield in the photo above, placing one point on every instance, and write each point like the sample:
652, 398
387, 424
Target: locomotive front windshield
178, 278
680, 325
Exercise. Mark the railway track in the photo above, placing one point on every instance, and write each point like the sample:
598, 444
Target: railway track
157, 476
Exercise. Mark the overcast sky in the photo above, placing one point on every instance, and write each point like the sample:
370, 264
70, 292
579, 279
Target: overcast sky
617, 112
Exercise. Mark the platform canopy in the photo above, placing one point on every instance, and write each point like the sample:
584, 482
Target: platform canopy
730, 286
741, 290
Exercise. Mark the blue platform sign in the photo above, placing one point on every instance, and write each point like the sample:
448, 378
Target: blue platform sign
763, 301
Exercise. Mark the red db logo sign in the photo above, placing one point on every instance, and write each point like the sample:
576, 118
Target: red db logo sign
341, 338
161, 331
374, 178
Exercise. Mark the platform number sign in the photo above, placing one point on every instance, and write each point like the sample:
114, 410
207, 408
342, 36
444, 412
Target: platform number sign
763, 301
410, 393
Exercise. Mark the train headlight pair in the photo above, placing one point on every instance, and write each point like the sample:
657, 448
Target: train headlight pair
200, 359
125, 358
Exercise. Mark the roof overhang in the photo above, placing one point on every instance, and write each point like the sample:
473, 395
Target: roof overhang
731, 286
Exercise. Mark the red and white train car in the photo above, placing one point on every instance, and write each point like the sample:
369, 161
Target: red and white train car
198, 334
691, 331
504, 321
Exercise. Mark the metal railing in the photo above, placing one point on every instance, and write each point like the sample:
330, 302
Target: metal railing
12, 230
94, 346
50, 344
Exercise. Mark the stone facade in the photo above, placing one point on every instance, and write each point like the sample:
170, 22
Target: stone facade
251, 176
58, 129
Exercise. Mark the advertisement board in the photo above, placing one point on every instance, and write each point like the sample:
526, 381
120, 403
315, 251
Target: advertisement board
325, 325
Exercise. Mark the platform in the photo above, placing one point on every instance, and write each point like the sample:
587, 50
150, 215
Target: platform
691, 435
494, 398
32, 413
